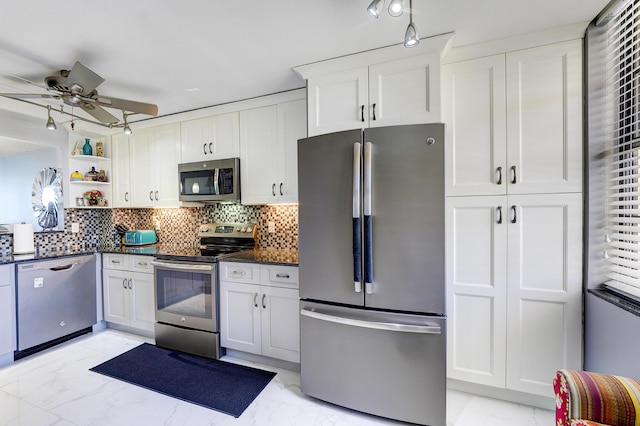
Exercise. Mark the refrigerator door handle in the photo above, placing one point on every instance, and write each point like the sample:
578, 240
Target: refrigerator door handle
386, 326
357, 245
368, 232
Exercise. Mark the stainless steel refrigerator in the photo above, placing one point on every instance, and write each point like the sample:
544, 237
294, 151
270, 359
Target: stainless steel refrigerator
371, 265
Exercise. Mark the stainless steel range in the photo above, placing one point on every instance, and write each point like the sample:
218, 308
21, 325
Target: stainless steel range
186, 290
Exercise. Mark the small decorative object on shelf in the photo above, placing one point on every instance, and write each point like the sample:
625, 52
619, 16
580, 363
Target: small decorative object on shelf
94, 196
99, 150
102, 176
76, 176
91, 175
86, 148
77, 150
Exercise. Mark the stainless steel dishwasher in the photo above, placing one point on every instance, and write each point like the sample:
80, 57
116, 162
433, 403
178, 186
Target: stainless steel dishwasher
55, 299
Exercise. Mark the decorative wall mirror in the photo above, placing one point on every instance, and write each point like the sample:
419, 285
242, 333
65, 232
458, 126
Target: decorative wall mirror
46, 197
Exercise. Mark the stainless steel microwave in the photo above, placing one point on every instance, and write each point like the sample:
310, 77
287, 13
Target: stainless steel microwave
210, 181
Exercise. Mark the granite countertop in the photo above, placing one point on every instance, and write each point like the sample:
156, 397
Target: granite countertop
628, 305
162, 251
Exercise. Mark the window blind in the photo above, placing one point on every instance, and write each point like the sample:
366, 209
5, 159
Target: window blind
622, 238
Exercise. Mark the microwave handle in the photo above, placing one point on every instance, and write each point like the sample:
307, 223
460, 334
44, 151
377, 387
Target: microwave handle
216, 181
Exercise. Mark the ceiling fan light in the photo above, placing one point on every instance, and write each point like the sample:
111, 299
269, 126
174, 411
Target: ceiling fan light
375, 8
411, 38
51, 125
396, 7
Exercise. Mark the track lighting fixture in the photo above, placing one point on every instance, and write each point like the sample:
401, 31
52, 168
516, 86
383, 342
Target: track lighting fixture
51, 125
395, 9
127, 129
375, 8
411, 38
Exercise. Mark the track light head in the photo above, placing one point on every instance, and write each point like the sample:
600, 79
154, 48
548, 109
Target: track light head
51, 125
127, 129
396, 7
375, 8
411, 38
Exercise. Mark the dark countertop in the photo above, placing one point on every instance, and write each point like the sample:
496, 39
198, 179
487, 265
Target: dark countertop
163, 251
622, 302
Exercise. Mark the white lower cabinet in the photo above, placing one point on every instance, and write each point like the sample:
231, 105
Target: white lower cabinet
128, 290
514, 289
259, 309
7, 311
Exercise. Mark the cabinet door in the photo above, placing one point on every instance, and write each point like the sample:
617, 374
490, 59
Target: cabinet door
405, 91
544, 318
210, 138
544, 123
474, 110
7, 311
338, 101
292, 125
116, 296
258, 153
476, 234
142, 169
166, 154
120, 171
240, 317
280, 323
142, 307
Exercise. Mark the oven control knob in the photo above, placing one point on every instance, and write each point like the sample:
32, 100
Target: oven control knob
204, 229
238, 229
183, 319
249, 229
243, 229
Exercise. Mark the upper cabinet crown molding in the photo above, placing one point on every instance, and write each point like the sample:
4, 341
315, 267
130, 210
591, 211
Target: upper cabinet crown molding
440, 43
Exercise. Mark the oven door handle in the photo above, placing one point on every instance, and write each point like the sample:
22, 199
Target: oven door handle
184, 266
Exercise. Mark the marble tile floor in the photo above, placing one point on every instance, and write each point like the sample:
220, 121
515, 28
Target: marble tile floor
55, 387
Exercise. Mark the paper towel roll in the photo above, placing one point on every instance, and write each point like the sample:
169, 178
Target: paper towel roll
23, 238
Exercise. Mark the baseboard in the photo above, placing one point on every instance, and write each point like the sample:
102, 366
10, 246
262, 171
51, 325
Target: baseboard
273, 362
547, 403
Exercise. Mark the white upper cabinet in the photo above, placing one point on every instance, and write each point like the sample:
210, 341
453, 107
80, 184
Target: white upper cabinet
268, 152
382, 87
514, 122
210, 138
121, 180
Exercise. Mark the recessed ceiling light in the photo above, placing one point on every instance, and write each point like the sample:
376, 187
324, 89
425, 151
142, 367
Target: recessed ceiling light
193, 89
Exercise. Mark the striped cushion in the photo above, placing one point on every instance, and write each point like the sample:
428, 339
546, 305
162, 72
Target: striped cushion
596, 398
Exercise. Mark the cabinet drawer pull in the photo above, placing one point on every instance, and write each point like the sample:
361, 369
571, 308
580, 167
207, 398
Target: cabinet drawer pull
513, 214
210, 145
282, 276
255, 300
281, 188
124, 283
499, 211
115, 261
264, 306
374, 112
126, 197
273, 189
499, 172
151, 195
143, 263
513, 174
241, 273
362, 113
156, 195
130, 286
204, 148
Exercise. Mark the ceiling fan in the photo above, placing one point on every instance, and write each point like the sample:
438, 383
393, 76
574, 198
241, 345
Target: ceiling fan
77, 88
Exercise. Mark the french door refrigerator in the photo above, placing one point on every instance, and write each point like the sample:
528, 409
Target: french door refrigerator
371, 268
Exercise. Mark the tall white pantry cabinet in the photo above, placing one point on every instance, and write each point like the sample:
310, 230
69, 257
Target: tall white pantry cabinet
514, 216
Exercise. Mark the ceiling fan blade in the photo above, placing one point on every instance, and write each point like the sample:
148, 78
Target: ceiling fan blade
126, 105
28, 95
83, 77
99, 113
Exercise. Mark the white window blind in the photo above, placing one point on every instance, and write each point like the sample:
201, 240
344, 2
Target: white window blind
622, 239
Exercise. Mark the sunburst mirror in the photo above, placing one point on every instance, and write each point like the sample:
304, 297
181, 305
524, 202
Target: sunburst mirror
46, 197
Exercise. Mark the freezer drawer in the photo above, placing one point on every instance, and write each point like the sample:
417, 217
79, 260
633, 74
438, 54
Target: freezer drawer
387, 364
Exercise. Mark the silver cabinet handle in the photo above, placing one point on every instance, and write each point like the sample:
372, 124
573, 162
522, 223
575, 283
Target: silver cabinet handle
124, 283
179, 266
130, 286
387, 326
499, 172
362, 113
255, 300
264, 306
282, 275
374, 112
156, 195
273, 189
513, 174
143, 263
513, 214
210, 150
151, 195
204, 148
241, 273
115, 261
499, 211
281, 188
126, 196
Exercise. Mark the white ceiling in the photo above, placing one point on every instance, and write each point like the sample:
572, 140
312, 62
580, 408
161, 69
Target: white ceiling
183, 55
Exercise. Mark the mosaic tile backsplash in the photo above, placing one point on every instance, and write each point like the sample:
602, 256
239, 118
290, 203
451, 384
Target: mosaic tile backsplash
177, 226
